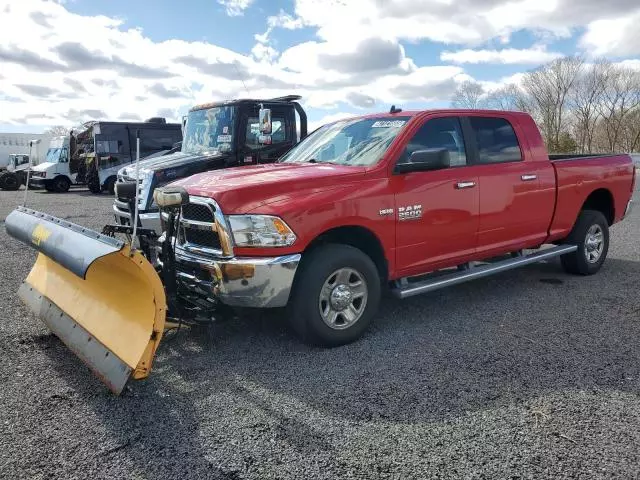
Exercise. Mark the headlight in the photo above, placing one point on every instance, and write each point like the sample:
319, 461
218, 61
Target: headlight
260, 231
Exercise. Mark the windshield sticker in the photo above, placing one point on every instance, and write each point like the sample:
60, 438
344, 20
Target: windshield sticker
388, 123
224, 138
225, 130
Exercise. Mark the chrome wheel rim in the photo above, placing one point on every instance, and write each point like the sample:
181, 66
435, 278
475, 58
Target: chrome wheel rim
343, 298
594, 244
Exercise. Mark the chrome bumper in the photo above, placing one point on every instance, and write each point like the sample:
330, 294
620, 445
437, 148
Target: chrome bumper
261, 282
148, 220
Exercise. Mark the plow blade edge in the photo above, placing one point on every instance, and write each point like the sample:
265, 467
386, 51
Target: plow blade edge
104, 302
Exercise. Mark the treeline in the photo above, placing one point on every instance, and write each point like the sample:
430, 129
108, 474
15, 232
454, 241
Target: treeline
580, 107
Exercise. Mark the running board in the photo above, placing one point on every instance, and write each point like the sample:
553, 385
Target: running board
407, 289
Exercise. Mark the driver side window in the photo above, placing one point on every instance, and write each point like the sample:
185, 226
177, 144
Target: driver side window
444, 132
278, 132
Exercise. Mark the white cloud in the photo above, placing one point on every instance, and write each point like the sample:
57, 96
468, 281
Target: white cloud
72, 67
263, 52
534, 56
614, 36
334, 117
235, 8
461, 21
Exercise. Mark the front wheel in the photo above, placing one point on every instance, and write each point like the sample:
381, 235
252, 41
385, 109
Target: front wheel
335, 297
61, 184
591, 235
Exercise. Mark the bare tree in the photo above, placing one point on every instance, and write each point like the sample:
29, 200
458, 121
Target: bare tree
621, 96
548, 87
585, 100
508, 97
467, 95
58, 131
633, 129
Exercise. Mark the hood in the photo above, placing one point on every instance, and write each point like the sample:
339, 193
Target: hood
173, 160
243, 189
41, 167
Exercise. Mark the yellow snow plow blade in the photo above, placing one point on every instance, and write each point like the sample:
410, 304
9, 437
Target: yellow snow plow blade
104, 302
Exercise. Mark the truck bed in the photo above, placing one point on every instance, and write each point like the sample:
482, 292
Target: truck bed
579, 176
559, 157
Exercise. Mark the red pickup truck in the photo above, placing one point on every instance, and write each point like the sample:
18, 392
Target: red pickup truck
413, 201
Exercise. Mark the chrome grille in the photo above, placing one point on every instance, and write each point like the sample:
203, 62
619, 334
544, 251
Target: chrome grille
198, 212
121, 202
203, 228
203, 238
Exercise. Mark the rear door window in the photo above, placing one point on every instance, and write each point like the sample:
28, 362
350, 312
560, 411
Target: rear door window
495, 139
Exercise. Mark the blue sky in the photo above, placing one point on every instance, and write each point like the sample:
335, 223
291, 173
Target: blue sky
344, 56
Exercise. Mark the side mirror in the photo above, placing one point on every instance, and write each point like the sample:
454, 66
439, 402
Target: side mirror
264, 117
425, 160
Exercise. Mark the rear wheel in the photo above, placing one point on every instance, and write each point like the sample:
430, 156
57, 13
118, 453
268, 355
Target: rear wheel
9, 181
336, 295
591, 235
109, 185
61, 184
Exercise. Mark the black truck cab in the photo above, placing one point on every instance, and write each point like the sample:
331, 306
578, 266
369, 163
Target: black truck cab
216, 135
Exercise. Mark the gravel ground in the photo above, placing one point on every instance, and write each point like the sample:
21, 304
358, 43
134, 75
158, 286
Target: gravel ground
530, 374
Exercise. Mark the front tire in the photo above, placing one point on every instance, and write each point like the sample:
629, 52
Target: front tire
61, 184
591, 235
335, 296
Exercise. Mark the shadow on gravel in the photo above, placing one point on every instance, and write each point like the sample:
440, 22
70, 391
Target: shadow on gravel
503, 340
152, 424
506, 340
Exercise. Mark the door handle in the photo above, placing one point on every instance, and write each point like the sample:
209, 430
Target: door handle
460, 185
526, 178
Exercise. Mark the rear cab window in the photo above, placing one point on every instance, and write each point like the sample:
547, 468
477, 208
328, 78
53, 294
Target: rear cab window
495, 140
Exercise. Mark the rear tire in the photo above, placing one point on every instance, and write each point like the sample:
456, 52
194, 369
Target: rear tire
110, 184
335, 296
9, 181
591, 235
61, 184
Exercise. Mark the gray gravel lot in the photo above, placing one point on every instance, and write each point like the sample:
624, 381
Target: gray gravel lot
530, 374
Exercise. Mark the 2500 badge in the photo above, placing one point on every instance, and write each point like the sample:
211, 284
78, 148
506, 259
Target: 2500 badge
410, 212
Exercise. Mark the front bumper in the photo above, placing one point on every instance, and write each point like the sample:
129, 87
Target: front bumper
149, 220
37, 182
260, 282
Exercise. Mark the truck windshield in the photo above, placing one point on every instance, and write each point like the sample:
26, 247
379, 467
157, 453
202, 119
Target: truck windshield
209, 130
349, 142
55, 155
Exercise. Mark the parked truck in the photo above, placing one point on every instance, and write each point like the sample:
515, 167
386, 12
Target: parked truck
94, 155
406, 201
216, 135
14, 173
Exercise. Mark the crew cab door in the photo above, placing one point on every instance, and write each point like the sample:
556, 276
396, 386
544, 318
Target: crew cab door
282, 138
514, 207
436, 211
